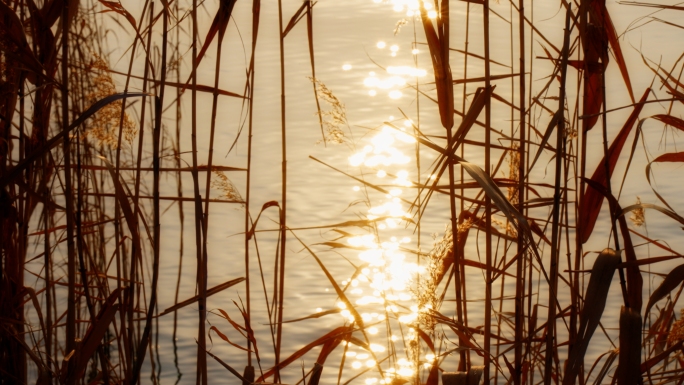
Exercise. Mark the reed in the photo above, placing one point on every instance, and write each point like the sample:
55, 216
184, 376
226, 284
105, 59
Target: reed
517, 288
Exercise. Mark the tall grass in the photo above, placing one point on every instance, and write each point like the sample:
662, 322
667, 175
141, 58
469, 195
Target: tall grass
518, 289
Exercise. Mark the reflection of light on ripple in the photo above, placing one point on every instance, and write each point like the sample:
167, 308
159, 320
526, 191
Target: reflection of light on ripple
406, 70
373, 81
382, 289
411, 7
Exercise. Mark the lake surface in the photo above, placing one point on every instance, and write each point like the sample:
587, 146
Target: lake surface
347, 33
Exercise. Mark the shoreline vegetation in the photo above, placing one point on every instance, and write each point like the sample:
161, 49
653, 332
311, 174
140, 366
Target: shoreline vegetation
96, 164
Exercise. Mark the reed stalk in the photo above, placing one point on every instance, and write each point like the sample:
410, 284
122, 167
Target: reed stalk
555, 254
279, 297
106, 217
521, 252
488, 202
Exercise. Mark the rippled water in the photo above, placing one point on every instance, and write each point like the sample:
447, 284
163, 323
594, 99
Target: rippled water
346, 36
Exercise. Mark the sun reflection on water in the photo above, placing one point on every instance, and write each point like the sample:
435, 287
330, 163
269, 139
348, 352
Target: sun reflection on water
383, 290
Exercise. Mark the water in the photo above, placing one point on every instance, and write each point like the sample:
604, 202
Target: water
347, 33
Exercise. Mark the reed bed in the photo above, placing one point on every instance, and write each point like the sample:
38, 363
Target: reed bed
557, 260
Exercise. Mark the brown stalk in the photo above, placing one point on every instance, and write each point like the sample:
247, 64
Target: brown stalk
520, 265
256, 5
555, 254
280, 273
488, 201
156, 134
201, 374
71, 261
127, 295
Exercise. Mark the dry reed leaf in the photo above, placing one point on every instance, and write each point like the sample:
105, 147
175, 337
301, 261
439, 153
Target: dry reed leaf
609, 30
499, 199
661, 6
336, 335
340, 293
479, 101
653, 361
670, 121
239, 328
649, 261
315, 315
670, 157
674, 157
673, 279
218, 26
482, 79
266, 205
595, 302
116, 7
592, 199
606, 366
595, 45
210, 292
338, 290
294, 19
468, 53
629, 361
96, 331
203, 88
225, 338
634, 279
248, 326
547, 134
230, 369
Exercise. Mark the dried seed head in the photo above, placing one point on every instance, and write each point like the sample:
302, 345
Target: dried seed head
677, 330
104, 125
638, 216
334, 118
397, 27
513, 168
227, 188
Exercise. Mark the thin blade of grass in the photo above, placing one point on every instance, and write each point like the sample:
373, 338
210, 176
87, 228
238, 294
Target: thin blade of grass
210, 292
547, 134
